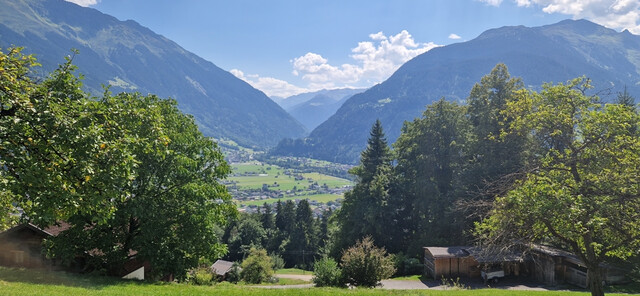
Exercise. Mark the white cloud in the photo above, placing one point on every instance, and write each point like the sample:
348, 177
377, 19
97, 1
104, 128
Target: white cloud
615, 14
454, 36
492, 2
374, 61
85, 3
269, 85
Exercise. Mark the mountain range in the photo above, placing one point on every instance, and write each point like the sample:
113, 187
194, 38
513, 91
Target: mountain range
553, 53
313, 108
130, 57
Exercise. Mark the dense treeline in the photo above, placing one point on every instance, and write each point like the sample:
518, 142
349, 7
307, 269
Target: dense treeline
288, 232
510, 167
428, 190
130, 175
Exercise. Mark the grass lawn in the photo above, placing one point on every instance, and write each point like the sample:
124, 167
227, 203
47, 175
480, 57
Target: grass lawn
416, 277
293, 271
33, 282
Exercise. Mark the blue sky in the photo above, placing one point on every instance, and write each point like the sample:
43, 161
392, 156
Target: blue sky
289, 46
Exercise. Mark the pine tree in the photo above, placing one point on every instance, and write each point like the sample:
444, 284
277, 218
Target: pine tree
364, 207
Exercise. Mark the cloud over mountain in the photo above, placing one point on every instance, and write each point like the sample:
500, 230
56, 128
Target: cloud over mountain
374, 61
84, 3
616, 14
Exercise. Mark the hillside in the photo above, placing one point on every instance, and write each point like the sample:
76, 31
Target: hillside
312, 109
553, 53
130, 57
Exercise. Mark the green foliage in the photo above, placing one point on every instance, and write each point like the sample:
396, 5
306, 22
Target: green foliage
407, 265
130, 173
432, 158
581, 189
202, 276
366, 265
278, 262
364, 210
234, 274
256, 268
326, 273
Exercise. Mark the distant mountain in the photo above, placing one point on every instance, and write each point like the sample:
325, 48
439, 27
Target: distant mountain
553, 53
130, 57
312, 109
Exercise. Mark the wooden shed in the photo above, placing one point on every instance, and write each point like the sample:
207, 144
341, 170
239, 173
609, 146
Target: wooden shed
450, 262
21, 246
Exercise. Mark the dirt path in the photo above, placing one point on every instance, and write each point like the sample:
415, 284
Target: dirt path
412, 284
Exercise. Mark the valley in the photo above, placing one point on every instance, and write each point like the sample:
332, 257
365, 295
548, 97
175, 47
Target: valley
254, 183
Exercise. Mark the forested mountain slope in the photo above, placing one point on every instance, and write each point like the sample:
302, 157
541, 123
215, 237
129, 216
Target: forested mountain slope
552, 53
130, 57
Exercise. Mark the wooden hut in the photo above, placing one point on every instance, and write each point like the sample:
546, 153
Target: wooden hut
450, 262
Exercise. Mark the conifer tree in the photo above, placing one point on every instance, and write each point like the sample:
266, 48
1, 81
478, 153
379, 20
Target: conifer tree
363, 210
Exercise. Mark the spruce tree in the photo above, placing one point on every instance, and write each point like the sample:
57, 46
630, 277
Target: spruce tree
364, 207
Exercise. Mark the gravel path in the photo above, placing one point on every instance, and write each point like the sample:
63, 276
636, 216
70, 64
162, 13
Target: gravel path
413, 284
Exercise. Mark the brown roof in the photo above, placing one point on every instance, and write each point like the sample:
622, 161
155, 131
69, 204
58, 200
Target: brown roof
448, 252
57, 228
221, 267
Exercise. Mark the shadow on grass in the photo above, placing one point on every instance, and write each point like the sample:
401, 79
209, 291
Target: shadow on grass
631, 288
61, 278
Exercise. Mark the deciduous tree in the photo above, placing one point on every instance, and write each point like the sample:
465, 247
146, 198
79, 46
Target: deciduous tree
581, 190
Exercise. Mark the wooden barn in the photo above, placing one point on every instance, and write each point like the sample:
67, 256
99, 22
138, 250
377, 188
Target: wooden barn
21, 246
553, 266
450, 262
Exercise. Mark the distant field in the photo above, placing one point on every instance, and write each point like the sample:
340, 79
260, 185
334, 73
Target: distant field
270, 174
317, 197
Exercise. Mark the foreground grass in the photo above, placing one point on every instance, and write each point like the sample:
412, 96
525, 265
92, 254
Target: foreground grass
33, 282
415, 277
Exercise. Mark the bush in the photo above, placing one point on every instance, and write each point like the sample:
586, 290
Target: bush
406, 265
233, 276
257, 267
365, 265
201, 276
326, 273
278, 262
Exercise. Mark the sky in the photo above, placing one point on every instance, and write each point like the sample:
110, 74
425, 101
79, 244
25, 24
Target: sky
286, 47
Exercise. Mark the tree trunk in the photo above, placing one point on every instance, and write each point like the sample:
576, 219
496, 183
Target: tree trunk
594, 280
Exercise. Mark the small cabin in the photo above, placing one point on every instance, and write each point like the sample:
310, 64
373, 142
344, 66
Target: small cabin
21, 246
450, 262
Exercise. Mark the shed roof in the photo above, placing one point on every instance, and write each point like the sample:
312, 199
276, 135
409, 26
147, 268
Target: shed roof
221, 267
448, 252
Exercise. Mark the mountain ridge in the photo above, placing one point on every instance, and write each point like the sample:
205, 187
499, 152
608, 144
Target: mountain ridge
551, 53
131, 57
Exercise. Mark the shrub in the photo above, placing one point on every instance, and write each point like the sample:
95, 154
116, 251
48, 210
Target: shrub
201, 276
365, 265
233, 276
278, 262
406, 265
327, 273
257, 267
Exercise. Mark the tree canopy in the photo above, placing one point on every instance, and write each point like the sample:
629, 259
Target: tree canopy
581, 189
131, 174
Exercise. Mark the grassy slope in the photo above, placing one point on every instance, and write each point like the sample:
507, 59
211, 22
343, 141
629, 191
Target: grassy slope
29, 282
275, 174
